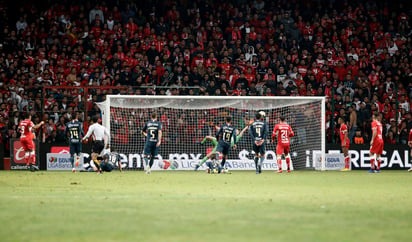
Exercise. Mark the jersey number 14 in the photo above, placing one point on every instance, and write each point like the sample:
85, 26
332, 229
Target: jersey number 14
74, 133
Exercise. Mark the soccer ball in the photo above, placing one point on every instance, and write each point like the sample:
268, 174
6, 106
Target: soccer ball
262, 113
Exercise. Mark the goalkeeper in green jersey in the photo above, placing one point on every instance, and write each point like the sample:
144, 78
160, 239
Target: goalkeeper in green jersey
214, 142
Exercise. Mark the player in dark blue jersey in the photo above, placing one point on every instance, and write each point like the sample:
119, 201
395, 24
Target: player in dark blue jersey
226, 133
75, 133
110, 160
152, 130
258, 131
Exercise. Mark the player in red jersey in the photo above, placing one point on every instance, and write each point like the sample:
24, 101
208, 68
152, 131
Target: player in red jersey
26, 128
343, 132
376, 149
282, 131
410, 145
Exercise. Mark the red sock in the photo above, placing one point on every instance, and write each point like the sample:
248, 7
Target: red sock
280, 164
347, 162
33, 159
379, 163
288, 162
27, 158
373, 164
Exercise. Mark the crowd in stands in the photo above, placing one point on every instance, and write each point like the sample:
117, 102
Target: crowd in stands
357, 53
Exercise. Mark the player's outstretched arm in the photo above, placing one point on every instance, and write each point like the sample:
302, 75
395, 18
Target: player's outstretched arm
234, 138
274, 134
209, 138
81, 130
38, 125
120, 165
243, 130
89, 132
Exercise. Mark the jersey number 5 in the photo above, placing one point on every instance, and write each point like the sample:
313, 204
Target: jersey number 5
152, 134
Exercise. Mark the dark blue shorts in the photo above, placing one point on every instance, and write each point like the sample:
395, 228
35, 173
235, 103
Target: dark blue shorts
151, 149
223, 148
259, 149
75, 148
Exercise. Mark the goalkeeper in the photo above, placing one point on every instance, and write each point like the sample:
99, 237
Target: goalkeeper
214, 142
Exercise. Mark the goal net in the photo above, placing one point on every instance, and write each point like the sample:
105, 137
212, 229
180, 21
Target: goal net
188, 119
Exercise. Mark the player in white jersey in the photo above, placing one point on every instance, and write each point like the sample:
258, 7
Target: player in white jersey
101, 139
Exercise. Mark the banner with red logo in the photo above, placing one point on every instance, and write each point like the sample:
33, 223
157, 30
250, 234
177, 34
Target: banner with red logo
60, 149
62, 161
17, 159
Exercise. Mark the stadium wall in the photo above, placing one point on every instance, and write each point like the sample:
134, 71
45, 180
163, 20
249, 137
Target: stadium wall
394, 157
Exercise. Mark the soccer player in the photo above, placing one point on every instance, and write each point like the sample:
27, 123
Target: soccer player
74, 130
109, 160
114, 158
410, 145
152, 130
224, 136
209, 155
26, 128
282, 132
343, 131
376, 147
214, 142
214, 167
101, 139
258, 131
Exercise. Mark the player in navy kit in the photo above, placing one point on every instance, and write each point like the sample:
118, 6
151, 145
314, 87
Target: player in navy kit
74, 131
152, 130
258, 131
226, 133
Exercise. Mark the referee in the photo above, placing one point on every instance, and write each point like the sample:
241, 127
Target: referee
98, 132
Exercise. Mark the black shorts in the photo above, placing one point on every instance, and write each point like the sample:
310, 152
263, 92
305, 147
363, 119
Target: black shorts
150, 148
75, 148
223, 148
259, 149
98, 146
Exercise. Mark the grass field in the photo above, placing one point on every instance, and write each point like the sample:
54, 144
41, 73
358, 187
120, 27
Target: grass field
195, 206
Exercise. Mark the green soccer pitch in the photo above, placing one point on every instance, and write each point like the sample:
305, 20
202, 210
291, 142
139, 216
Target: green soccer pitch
196, 206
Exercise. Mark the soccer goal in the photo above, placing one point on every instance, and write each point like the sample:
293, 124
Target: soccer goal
188, 119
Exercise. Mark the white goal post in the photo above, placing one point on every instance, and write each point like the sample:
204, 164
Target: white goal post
188, 119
